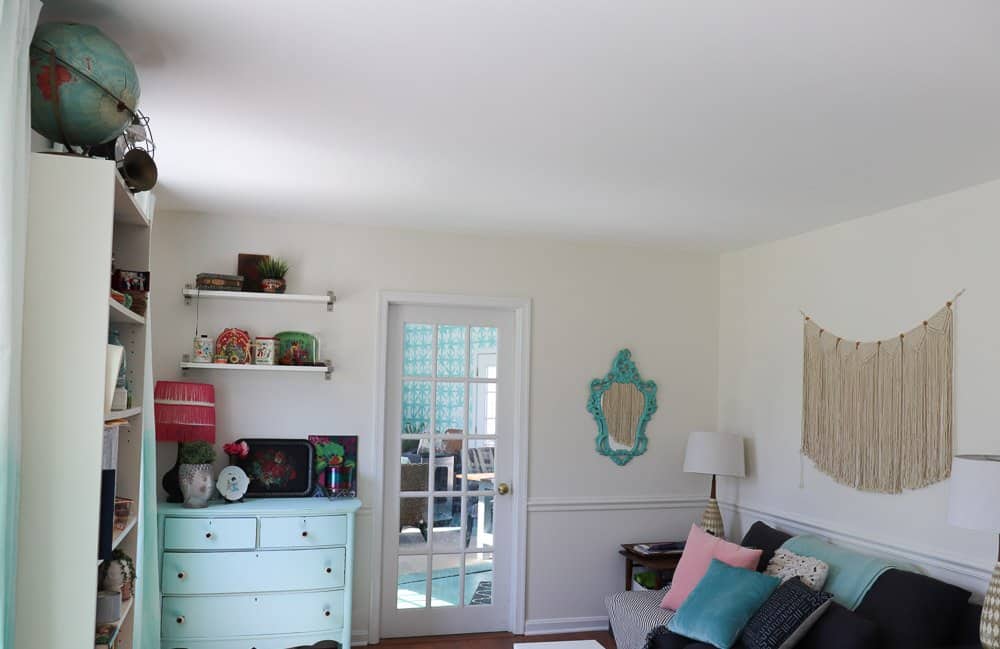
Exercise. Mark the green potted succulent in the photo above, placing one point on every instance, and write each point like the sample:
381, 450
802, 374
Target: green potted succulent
196, 460
272, 274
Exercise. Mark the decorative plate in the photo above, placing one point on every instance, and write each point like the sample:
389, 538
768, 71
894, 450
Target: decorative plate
232, 483
234, 346
297, 348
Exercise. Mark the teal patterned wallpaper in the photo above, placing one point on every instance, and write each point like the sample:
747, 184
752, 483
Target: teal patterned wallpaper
451, 363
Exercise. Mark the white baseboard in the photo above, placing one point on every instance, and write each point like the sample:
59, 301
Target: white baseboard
938, 564
359, 638
565, 625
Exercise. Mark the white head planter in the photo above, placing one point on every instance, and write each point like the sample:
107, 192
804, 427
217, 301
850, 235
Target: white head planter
232, 483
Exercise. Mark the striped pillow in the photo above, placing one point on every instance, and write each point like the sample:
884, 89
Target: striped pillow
785, 617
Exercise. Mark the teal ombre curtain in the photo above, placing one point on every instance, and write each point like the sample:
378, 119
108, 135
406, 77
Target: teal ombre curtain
147, 618
17, 25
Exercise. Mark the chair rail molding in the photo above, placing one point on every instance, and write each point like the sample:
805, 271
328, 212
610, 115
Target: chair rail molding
609, 503
962, 572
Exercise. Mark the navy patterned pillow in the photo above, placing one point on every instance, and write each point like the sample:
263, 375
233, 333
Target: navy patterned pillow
785, 617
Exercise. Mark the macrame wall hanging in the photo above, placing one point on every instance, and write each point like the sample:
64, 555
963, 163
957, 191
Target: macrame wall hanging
877, 416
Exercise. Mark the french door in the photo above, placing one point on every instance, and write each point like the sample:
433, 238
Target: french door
448, 516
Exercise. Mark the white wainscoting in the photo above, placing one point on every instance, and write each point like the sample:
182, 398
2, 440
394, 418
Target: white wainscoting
574, 562
940, 564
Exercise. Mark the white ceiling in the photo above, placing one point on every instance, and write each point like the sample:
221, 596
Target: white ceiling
695, 123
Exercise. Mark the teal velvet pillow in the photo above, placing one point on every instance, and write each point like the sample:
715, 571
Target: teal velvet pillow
721, 604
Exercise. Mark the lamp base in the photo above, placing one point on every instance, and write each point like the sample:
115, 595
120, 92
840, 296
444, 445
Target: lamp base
171, 481
989, 623
711, 522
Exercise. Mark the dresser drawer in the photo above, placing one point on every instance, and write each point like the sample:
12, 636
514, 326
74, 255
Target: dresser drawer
303, 531
214, 616
190, 573
209, 533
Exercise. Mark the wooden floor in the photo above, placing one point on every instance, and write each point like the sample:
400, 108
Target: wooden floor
490, 641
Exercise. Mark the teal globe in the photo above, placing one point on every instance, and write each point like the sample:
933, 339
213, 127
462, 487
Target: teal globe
84, 89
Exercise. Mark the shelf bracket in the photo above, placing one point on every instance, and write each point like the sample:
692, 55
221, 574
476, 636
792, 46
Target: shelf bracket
329, 370
187, 298
330, 299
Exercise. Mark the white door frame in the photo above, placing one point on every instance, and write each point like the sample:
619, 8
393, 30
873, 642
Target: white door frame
522, 360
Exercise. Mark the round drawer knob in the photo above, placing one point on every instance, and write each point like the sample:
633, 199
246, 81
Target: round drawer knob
180, 619
329, 570
208, 535
181, 575
304, 533
326, 613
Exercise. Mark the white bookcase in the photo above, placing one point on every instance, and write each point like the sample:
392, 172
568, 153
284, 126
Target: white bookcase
80, 215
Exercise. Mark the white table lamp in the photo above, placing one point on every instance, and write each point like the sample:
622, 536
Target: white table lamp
714, 454
972, 504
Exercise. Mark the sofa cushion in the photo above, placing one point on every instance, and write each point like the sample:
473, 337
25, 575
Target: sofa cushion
914, 611
663, 638
967, 631
785, 617
699, 551
840, 628
766, 539
722, 603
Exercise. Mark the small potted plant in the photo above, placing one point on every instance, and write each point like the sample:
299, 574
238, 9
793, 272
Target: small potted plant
272, 274
118, 575
196, 473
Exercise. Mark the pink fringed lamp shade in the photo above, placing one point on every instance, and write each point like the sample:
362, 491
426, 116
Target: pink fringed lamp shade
185, 412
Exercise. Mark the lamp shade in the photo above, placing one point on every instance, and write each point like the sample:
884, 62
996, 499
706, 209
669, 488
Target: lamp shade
715, 453
975, 483
185, 412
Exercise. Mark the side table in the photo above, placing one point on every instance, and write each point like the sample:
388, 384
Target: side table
654, 563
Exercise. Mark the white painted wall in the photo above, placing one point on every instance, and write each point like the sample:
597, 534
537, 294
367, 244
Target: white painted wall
864, 279
589, 300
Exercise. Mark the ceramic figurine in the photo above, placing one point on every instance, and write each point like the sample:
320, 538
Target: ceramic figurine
196, 484
233, 483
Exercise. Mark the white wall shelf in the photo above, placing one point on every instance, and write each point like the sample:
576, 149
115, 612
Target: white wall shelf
120, 315
326, 370
121, 535
328, 298
123, 414
127, 209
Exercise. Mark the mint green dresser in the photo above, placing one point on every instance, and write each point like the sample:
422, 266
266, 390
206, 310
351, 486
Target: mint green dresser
263, 574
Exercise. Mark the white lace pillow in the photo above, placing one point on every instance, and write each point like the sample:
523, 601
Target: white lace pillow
788, 565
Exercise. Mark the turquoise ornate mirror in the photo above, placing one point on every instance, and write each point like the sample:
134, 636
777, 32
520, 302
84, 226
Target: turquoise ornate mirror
622, 404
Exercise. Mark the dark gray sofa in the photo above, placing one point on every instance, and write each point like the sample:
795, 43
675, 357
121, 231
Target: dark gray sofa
902, 610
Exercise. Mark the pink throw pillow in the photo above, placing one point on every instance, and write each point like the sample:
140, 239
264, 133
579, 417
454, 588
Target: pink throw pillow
699, 551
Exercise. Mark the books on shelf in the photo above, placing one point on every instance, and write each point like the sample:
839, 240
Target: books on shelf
659, 549
106, 531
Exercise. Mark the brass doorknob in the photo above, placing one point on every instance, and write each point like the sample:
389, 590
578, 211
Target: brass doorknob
503, 488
